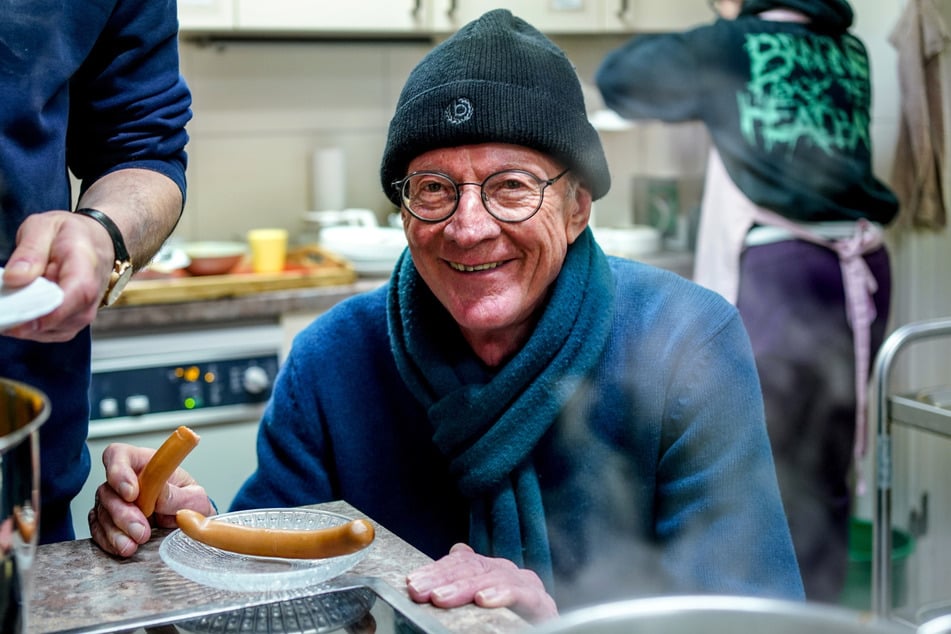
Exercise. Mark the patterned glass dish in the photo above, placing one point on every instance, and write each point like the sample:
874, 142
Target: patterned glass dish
244, 573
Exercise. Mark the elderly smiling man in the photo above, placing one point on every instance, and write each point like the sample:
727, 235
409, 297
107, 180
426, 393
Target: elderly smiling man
553, 426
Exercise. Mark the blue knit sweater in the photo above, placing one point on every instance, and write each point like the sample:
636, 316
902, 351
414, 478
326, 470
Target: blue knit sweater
95, 86
658, 480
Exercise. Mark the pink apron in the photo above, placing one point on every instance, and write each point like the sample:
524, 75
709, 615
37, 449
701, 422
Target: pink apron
725, 220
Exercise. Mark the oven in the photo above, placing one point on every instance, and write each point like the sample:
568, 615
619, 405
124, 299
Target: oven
215, 380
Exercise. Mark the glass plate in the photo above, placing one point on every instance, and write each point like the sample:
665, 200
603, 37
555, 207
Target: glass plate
244, 573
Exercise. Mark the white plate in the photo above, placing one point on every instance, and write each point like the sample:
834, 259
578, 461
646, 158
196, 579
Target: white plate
630, 242
169, 259
364, 243
372, 251
244, 573
20, 305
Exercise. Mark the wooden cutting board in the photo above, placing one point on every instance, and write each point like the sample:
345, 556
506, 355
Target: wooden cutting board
307, 266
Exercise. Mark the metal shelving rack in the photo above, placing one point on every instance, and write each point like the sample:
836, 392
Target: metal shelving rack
893, 409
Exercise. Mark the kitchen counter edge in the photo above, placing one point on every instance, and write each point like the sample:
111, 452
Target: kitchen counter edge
263, 307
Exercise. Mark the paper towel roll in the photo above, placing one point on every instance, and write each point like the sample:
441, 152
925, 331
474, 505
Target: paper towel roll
330, 179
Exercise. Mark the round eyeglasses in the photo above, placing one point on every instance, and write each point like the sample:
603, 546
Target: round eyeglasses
509, 195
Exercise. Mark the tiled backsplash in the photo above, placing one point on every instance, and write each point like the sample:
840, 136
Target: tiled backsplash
263, 108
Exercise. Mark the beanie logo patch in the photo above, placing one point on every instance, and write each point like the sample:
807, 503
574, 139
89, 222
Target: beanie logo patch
459, 111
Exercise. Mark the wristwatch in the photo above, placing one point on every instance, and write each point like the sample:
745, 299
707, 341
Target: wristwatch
122, 269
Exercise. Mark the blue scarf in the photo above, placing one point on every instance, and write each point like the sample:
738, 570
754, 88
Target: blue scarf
487, 424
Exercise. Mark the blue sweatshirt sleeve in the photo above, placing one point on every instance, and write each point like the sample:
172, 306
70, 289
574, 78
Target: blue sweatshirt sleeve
130, 102
291, 447
653, 76
719, 508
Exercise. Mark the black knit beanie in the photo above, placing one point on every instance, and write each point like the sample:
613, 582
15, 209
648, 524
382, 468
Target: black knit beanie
496, 80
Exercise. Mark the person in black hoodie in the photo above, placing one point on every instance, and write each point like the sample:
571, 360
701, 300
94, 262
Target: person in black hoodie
790, 230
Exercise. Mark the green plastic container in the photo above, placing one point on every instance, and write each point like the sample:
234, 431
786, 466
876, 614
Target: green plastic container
857, 593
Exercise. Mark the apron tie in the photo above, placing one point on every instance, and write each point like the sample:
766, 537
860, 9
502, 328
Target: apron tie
859, 285
726, 218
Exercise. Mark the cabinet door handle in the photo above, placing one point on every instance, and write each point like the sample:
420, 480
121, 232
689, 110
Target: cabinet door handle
622, 9
417, 7
451, 13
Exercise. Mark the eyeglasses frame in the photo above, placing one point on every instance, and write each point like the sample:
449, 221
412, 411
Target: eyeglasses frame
544, 183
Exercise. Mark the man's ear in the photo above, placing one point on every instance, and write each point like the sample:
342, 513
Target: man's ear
578, 213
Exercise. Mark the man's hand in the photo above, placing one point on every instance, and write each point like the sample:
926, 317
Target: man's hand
116, 523
463, 577
71, 251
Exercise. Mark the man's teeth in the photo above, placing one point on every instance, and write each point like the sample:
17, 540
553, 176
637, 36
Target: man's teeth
477, 267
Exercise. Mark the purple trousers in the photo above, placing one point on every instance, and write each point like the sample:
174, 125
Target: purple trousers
792, 302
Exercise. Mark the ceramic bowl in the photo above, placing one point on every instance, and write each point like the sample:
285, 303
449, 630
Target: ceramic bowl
214, 258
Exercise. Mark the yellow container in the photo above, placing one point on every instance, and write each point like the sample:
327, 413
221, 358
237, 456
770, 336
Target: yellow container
268, 250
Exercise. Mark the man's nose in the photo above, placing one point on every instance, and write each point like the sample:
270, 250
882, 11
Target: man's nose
470, 194
471, 220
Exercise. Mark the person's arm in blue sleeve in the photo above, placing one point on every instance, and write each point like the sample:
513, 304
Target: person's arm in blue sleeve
720, 511
653, 76
126, 143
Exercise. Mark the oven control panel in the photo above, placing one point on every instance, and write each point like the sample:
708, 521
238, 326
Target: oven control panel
182, 387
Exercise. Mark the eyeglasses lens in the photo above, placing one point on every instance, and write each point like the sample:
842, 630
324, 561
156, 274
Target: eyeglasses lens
510, 196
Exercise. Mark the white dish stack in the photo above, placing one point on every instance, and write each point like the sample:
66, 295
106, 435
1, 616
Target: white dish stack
355, 235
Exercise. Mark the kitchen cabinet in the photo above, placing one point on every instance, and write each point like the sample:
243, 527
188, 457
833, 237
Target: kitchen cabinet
283, 17
628, 16
581, 16
432, 17
205, 15
365, 17
550, 16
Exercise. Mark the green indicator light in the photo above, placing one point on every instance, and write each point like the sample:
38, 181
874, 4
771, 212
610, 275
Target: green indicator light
190, 403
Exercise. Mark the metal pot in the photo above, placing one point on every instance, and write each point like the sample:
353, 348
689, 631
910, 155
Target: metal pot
22, 410
717, 615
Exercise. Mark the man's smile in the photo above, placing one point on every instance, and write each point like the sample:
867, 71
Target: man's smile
470, 269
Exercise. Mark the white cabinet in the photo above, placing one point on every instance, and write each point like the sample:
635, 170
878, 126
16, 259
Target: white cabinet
654, 15
581, 16
430, 17
205, 15
332, 16
550, 16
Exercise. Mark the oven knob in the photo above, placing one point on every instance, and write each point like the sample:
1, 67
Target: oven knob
108, 407
137, 404
255, 380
